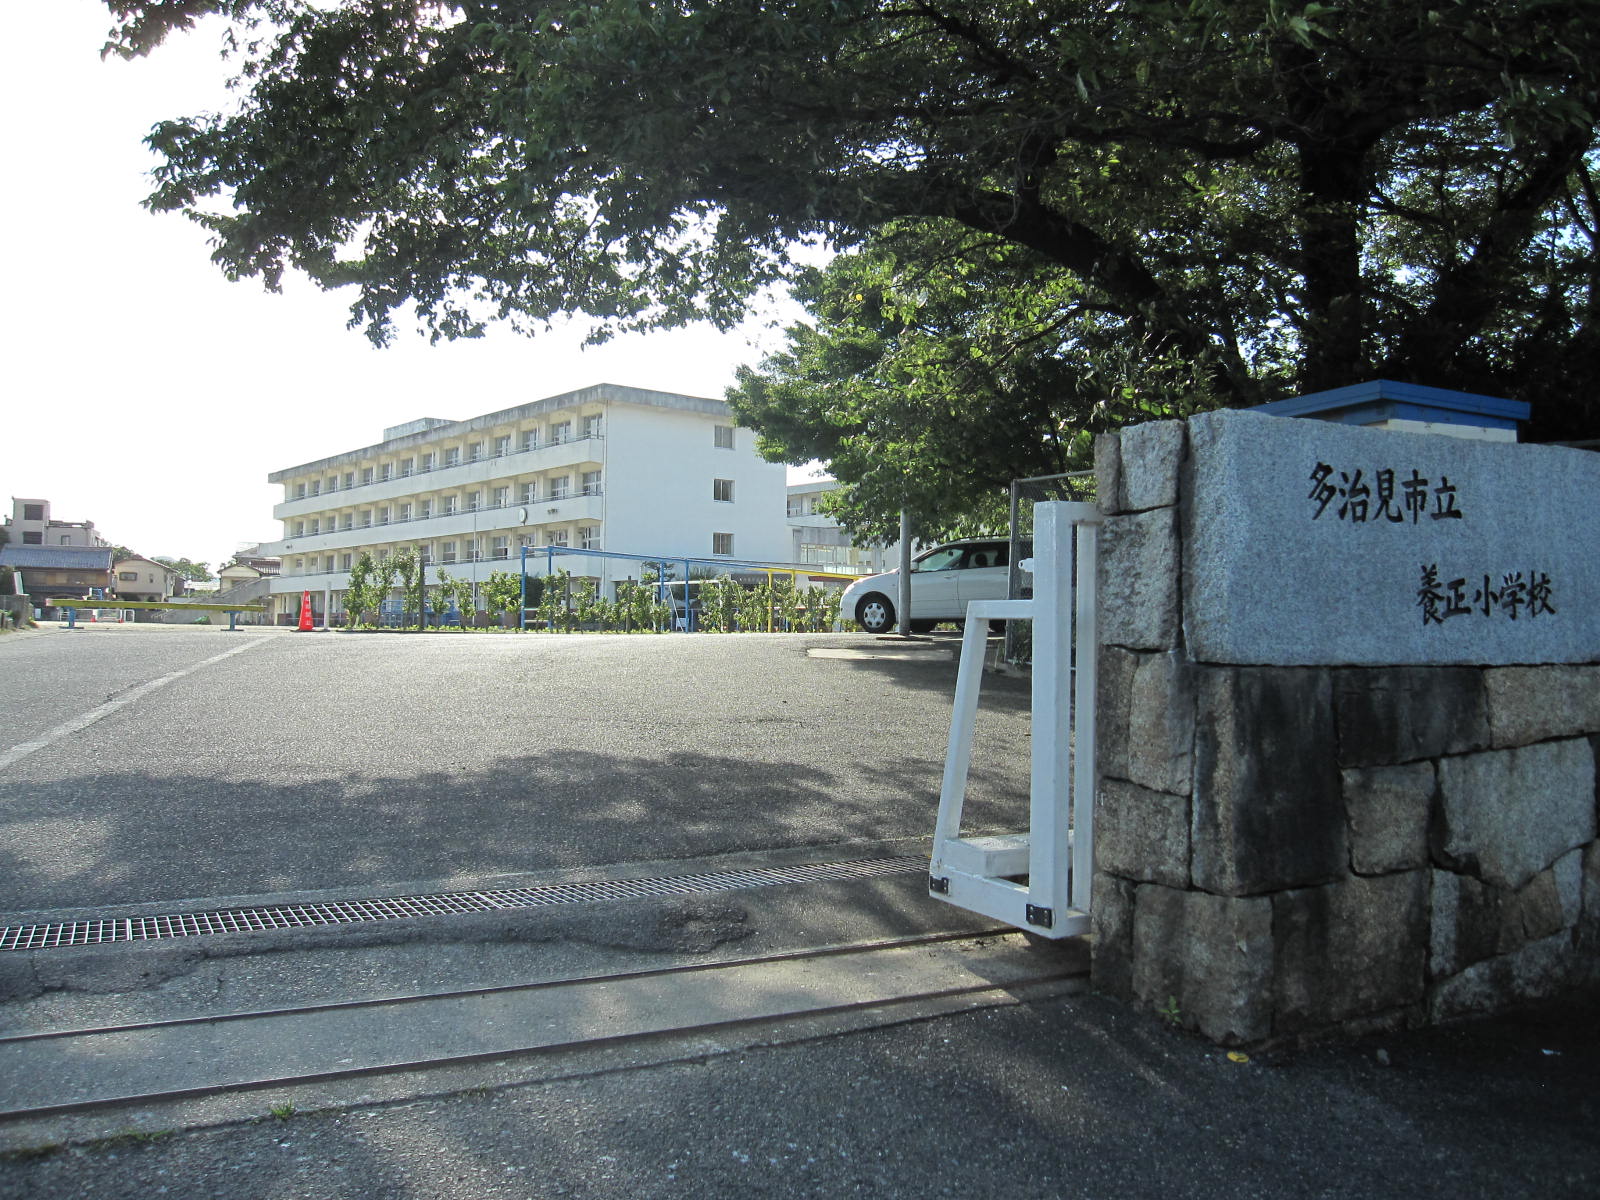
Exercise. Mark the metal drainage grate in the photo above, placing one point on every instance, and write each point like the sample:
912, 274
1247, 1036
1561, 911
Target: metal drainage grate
389, 908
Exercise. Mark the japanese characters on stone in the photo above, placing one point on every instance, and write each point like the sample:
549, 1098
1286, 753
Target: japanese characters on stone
1387, 497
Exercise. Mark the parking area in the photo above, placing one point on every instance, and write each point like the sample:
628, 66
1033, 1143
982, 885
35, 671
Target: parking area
273, 762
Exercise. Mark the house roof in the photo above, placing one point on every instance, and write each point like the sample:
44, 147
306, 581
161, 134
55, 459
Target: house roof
160, 566
81, 558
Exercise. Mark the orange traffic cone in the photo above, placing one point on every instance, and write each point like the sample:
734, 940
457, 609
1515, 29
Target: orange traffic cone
305, 612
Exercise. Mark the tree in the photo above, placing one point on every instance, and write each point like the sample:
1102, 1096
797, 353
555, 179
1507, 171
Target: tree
1282, 197
361, 595
195, 572
502, 592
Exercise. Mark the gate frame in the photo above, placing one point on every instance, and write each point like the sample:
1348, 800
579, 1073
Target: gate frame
1038, 880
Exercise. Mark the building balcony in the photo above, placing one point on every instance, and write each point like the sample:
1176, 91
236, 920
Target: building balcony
484, 520
574, 452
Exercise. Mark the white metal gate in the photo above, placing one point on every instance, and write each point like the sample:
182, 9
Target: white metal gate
1037, 879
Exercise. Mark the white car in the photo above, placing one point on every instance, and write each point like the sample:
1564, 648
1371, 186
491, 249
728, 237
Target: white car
943, 581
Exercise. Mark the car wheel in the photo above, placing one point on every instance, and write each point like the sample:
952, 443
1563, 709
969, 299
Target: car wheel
875, 613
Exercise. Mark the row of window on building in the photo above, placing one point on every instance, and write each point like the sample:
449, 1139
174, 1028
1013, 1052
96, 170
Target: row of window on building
555, 434
556, 487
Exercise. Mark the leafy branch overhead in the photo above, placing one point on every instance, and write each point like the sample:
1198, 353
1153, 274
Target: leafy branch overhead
1236, 199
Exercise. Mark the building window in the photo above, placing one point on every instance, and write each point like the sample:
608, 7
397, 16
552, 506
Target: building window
406, 465
591, 426
591, 483
530, 439
348, 522
447, 552
33, 512
299, 566
345, 562
471, 547
722, 543
366, 518
452, 455
316, 487
299, 529
425, 463
499, 547
332, 485
32, 539
424, 509
424, 554
530, 493
502, 445
366, 475
559, 487
722, 490
589, 537
327, 563
405, 512
474, 501
449, 505
383, 516
560, 432
349, 480
502, 497
316, 525
723, 436
386, 472
556, 537
128, 576
474, 451
299, 491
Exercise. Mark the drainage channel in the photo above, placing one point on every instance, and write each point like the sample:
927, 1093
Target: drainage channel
61, 934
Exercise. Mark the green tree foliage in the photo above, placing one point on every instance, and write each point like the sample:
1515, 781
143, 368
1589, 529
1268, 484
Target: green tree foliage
1267, 197
502, 592
195, 572
361, 594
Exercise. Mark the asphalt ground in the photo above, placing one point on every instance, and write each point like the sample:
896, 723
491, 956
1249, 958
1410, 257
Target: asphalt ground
334, 761
1067, 1097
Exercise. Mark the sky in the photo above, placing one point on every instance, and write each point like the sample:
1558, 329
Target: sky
143, 391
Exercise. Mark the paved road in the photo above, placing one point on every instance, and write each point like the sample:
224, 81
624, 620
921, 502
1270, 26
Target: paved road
1062, 1098
333, 761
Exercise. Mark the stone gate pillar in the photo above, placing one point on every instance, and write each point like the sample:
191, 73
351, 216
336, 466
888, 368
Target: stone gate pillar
1349, 712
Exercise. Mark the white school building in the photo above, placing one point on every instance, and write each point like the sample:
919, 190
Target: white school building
605, 467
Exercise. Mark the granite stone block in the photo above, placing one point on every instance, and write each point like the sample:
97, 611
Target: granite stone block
1142, 834
1139, 582
1506, 815
1534, 704
1568, 876
1388, 810
1268, 809
1402, 714
1113, 709
1533, 972
1111, 926
1348, 950
1315, 543
1210, 956
1161, 723
1151, 456
1108, 473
